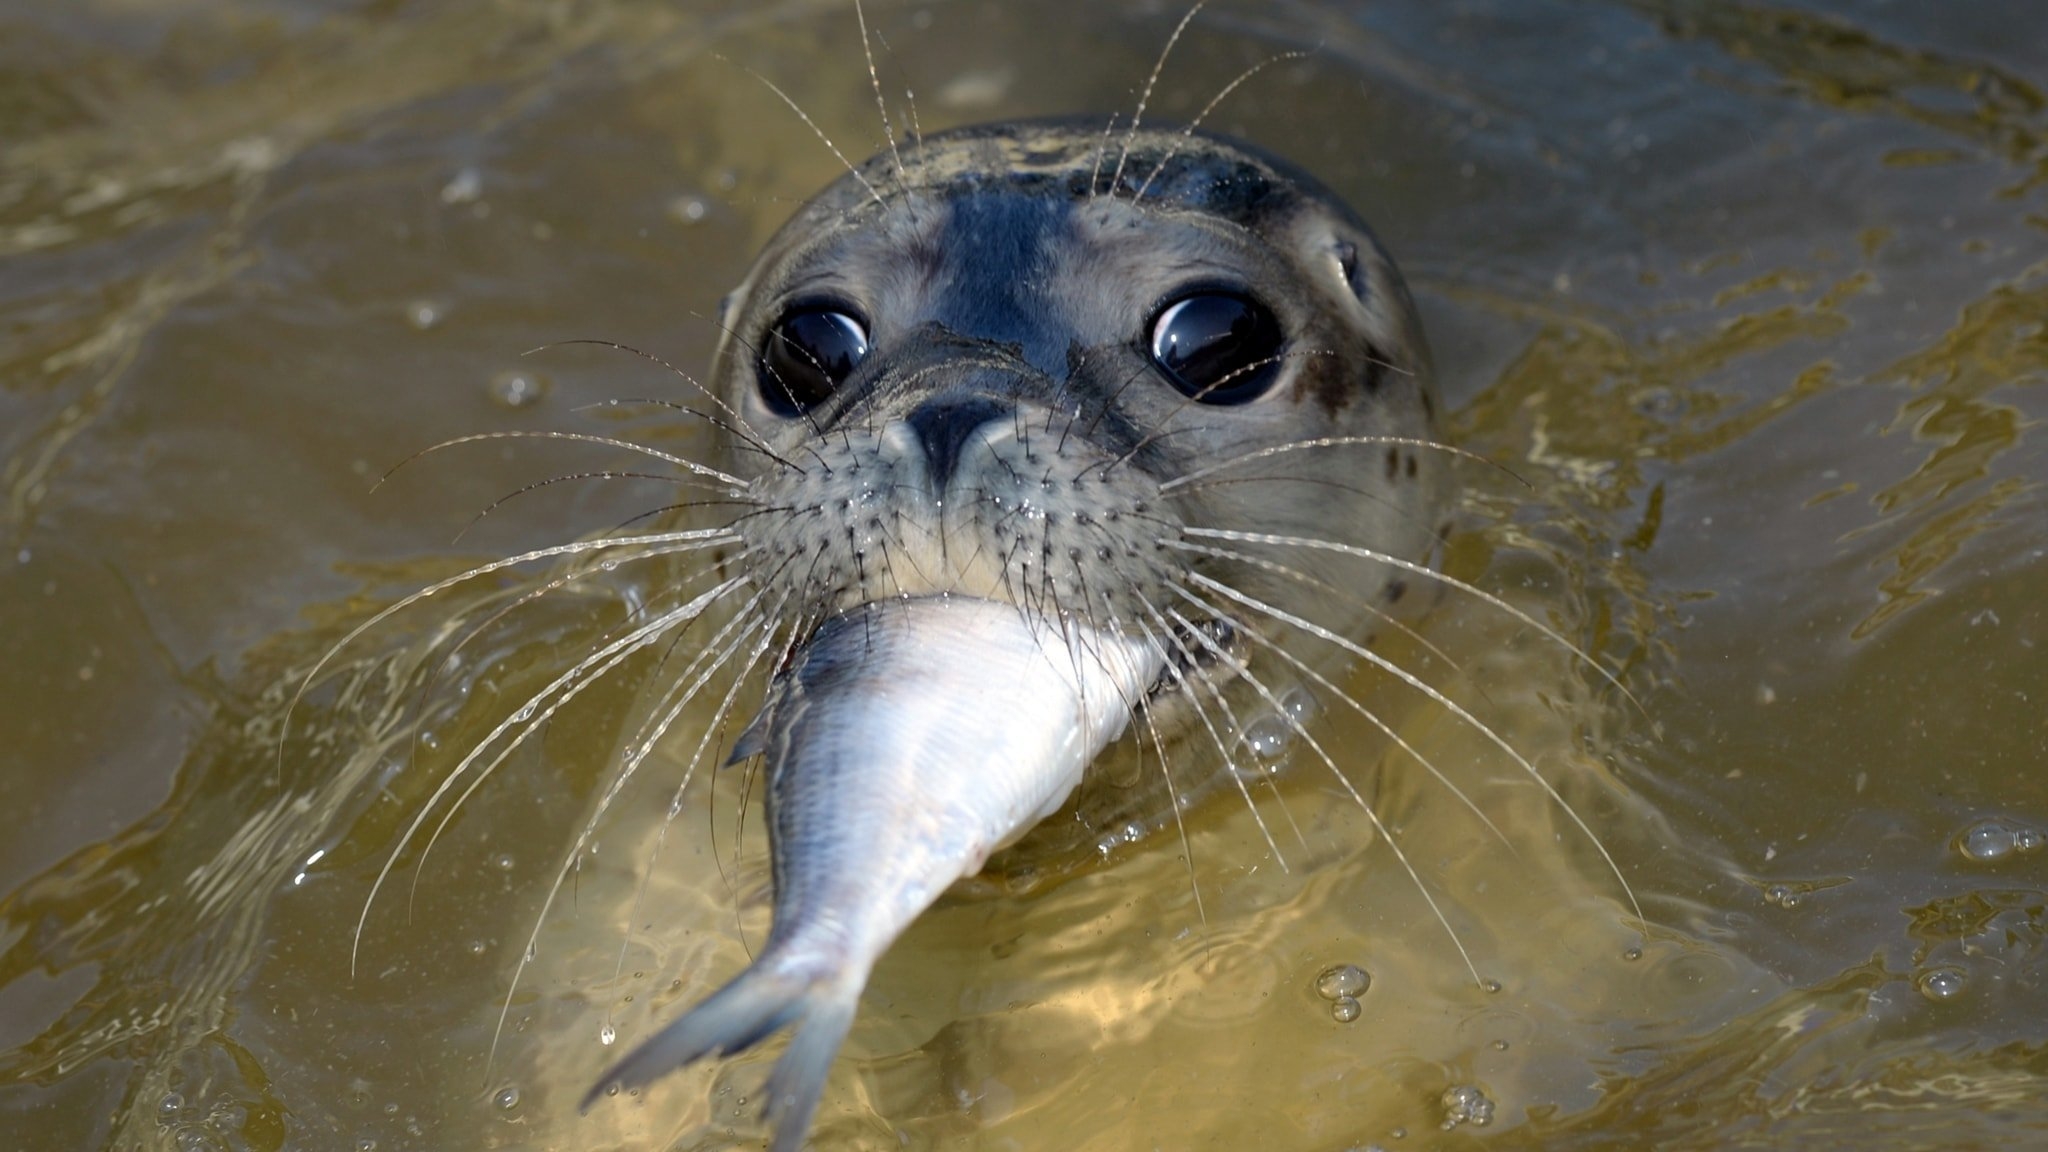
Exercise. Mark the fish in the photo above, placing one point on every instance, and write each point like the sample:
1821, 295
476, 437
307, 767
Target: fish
907, 741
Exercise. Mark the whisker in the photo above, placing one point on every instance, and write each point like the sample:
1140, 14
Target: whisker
632, 763
1189, 132
881, 106
1145, 96
1187, 402
739, 426
691, 466
1193, 479
1442, 701
584, 673
605, 474
714, 729
1279, 569
817, 131
1302, 732
1426, 572
1184, 674
1387, 730
701, 537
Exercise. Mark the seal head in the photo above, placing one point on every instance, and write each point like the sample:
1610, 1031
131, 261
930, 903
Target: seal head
1115, 378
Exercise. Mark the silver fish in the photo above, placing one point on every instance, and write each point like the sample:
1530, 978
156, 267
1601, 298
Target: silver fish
908, 741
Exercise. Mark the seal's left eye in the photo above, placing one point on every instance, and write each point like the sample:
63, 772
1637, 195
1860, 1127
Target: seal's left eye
807, 355
1218, 347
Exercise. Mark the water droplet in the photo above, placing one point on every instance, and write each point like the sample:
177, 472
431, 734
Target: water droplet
507, 1098
1342, 980
1466, 1104
1986, 841
1941, 984
424, 315
1344, 1009
518, 388
607, 1035
688, 209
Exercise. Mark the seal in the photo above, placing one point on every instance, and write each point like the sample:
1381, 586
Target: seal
1153, 412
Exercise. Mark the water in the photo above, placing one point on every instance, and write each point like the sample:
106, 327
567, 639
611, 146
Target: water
1752, 298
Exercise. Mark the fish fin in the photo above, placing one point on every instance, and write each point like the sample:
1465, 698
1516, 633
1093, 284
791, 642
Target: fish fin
736, 1017
794, 1088
753, 739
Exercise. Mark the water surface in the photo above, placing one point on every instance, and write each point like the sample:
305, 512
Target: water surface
1751, 299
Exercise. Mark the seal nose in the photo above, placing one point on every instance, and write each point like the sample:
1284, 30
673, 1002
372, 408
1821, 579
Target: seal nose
943, 426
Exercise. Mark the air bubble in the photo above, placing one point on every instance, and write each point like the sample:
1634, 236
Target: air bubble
1987, 841
1782, 895
688, 209
169, 1107
1344, 1009
507, 1098
504, 861
1343, 981
1941, 984
425, 315
607, 1035
1466, 1104
518, 388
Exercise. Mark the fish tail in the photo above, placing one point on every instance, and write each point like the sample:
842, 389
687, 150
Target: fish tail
767, 996
798, 1081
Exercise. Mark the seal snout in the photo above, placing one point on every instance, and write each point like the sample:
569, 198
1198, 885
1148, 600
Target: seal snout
945, 424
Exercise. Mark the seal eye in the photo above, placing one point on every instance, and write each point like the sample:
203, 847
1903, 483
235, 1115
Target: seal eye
1217, 347
807, 355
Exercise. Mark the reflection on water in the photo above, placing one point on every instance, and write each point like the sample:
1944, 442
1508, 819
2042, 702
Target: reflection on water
1751, 298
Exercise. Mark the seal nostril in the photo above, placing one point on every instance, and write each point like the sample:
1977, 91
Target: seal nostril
943, 425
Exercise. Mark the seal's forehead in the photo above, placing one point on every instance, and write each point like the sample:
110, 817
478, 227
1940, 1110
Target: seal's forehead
1071, 161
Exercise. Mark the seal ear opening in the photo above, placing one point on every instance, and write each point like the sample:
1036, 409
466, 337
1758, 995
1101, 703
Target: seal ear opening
1345, 255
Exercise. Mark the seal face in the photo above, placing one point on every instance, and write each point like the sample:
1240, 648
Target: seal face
1158, 382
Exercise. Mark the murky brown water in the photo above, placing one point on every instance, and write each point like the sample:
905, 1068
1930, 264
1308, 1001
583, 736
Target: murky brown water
1755, 299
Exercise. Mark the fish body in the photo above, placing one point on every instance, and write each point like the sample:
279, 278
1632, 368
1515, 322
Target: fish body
908, 740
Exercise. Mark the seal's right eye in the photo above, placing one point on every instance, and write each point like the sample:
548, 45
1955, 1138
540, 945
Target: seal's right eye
807, 355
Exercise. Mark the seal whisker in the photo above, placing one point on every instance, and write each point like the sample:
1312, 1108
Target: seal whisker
1195, 478
732, 482
558, 692
746, 620
689, 539
804, 116
1442, 701
860, 14
1173, 801
1145, 96
1387, 730
633, 612
1426, 572
1302, 733
1182, 673
601, 474
1189, 132
1265, 565
714, 729
738, 425
1188, 402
